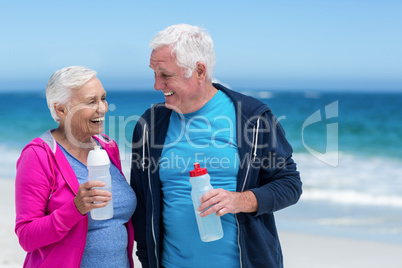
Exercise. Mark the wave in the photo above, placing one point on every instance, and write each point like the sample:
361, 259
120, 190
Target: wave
352, 197
262, 95
8, 161
356, 180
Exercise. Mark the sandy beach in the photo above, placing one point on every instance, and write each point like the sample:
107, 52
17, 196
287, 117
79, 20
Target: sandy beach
300, 250
313, 251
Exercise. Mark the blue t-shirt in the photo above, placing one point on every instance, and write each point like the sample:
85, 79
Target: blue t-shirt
106, 244
207, 136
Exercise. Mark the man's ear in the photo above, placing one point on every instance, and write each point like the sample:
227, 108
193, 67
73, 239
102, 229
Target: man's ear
61, 110
201, 71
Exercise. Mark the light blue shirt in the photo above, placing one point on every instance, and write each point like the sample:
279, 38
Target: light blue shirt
106, 244
207, 136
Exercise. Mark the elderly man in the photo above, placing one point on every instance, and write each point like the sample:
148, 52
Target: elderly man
235, 137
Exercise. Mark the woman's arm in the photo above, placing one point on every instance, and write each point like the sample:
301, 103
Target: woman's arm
34, 228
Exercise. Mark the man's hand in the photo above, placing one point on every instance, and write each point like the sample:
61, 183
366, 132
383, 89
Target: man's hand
221, 202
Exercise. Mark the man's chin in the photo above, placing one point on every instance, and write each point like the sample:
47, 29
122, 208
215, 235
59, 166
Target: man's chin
173, 107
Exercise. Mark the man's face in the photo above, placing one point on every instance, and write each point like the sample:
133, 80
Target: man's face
181, 94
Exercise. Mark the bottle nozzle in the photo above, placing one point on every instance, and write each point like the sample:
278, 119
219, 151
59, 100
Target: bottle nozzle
197, 170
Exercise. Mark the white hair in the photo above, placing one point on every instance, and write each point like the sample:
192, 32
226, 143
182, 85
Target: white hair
189, 44
62, 82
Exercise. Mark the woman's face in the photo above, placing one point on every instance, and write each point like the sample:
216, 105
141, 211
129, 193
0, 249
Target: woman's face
87, 110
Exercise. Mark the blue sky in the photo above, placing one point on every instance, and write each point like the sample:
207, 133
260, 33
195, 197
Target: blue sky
288, 44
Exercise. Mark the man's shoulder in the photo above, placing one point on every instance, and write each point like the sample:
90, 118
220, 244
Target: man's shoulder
248, 104
155, 117
157, 110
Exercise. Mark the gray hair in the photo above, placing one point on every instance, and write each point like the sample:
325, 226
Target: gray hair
190, 44
62, 82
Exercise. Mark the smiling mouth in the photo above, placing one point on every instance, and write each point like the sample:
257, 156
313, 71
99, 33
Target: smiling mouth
97, 120
168, 93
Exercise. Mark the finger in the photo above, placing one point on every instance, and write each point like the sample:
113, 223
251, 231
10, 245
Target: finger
91, 184
222, 212
99, 198
99, 205
92, 206
210, 198
207, 204
99, 192
210, 194
213, 209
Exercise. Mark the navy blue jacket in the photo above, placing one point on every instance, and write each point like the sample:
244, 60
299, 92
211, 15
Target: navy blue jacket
266, 168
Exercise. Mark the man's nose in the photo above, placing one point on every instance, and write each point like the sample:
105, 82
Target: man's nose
159, 84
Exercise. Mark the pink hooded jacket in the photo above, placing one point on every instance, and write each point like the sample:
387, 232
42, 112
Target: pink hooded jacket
48, 225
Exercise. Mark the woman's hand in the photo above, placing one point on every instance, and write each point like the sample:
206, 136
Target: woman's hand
87, 196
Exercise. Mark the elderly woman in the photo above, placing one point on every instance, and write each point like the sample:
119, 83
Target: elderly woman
53, 195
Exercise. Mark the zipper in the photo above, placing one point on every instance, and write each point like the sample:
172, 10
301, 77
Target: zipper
145, 142
253, 151
254, 154
256, 139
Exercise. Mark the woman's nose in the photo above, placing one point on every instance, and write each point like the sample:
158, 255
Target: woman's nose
102, 107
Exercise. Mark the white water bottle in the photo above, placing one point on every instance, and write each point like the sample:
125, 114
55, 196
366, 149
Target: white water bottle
98, 164
210, 227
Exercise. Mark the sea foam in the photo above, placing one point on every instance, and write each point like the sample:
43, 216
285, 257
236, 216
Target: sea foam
356, 180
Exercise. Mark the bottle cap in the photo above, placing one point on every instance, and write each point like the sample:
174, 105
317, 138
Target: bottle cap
197, 171
97, 157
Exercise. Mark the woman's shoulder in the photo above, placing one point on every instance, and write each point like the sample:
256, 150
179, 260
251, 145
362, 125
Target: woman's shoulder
38, 144
35, 151
106, 143
104, 138
45, 142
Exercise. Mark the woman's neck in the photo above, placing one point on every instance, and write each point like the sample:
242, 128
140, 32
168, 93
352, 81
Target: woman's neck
79, 147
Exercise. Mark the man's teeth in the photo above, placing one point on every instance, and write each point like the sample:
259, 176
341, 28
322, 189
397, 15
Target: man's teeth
169, 93
98, 119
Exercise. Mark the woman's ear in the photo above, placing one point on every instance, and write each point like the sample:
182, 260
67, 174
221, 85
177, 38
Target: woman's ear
201, 71
61, 111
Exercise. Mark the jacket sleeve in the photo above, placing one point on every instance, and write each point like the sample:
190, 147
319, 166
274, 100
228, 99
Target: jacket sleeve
279, 183
138, 183
34, 227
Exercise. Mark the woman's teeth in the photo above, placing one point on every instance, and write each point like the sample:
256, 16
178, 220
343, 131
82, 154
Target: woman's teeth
97, 120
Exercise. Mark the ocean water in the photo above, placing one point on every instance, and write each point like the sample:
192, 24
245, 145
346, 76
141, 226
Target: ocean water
348, 147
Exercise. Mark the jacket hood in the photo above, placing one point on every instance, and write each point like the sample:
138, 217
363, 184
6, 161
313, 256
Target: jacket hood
249, 107
51, 142
49, 139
